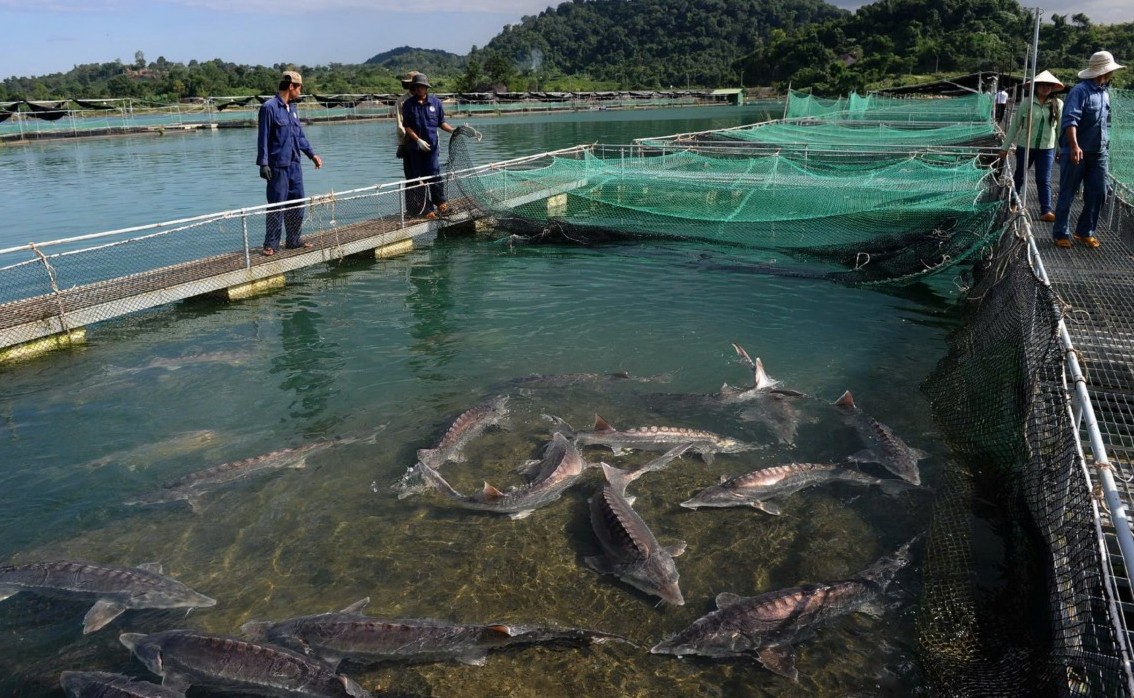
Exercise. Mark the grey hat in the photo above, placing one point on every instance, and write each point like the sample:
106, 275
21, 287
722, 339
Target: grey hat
420, 79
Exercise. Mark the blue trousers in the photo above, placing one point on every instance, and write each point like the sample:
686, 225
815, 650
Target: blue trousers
1091, 173
421, 164
1043, 160
286, 184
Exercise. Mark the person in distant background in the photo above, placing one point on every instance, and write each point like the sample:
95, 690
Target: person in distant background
279, 142
415, 198
1083, 151
1001, 104
422, 116
1038, 130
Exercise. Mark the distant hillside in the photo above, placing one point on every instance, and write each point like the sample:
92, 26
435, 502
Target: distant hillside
649, 43
891, 38
400, 61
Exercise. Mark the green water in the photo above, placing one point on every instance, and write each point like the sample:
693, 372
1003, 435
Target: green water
389, 352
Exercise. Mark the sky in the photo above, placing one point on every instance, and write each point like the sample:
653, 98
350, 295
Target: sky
52, 36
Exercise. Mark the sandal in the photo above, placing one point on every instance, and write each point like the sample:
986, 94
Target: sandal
301, 246
268, 252
1063, 242
443, 208
1088, 240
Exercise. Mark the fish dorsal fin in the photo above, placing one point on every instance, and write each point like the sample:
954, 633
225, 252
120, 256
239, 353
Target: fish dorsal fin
357, 606
491, 492
100, 614
727, 598
602, 425
499, 629
620, 374
846, 400
779, 659
154, 567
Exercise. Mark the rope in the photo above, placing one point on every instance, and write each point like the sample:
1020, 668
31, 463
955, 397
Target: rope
54, 288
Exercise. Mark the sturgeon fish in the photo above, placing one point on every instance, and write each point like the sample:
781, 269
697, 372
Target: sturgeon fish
629, 549
755, 488
883, 446
467, 426
100, 684
654, 438
560, 468
767, 626
189, 488
114, 589
766, 401
185, 658
349, 635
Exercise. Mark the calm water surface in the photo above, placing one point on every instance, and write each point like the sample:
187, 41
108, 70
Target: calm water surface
388, 353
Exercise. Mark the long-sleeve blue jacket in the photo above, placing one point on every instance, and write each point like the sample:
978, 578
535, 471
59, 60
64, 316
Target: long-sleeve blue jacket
1088, 110
279, 138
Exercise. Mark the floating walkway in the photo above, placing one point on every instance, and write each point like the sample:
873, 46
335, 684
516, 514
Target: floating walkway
49, 292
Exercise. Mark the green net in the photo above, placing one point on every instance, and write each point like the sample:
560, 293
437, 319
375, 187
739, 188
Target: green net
853, 135
976, 108
874, 217
1122, 137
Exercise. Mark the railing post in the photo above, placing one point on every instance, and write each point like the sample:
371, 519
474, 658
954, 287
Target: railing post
247, 247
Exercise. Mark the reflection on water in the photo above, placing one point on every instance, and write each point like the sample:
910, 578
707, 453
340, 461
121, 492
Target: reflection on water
409, 343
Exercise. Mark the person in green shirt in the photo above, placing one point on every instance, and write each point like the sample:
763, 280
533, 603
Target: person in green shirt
1034, 131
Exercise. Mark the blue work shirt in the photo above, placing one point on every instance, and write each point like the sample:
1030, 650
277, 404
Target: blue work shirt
1087, 109
279, 138
424, 119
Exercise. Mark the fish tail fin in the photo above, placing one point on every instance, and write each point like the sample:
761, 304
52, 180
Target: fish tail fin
560, 426
620, 479
433, 479
663, 460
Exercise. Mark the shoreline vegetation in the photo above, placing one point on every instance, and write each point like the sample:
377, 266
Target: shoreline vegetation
209, 114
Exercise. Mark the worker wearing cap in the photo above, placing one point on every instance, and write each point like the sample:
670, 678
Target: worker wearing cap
279, 143
415, 199
422, 116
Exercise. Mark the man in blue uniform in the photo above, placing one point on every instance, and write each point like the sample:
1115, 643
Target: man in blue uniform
422, 115
279, 142
1083, 151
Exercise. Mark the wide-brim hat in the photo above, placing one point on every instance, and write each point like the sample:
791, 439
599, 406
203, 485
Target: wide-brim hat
1047, 77
408, 79
420, 79
1101, 63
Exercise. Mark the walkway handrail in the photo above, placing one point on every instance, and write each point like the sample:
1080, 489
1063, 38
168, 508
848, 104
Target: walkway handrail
1083, 412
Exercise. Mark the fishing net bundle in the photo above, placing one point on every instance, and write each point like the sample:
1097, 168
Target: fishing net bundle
870, 217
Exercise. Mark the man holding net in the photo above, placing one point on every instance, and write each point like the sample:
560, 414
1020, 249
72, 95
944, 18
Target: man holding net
422, 116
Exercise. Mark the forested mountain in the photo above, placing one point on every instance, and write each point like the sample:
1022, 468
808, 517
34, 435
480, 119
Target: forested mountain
432, 62
893, 38
649, 43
